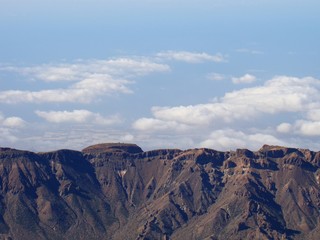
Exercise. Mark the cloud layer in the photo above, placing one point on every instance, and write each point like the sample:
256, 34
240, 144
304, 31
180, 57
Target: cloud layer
233, 119
9, 127
247, 78
77, 116
192, 57
124, 67
92, 79
11, 122
83, 91
283, 110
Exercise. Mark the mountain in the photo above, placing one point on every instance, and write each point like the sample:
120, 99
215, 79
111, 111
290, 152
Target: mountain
118, 191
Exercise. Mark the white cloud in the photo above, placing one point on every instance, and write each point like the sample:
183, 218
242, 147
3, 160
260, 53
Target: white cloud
127, 138
14, 122
77, 116
240, 109
83, 91
191, 57
201, 114
284, 128
124, 67
280, 94
246, 50
310, 126
51, 73
152, 125
307, 128
216, 77
11, 122
92, 79
314, 114
7, 136
9, 126
231, 139
247, 78
127, 66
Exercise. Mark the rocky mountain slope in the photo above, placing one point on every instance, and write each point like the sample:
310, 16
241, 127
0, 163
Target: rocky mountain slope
118, 191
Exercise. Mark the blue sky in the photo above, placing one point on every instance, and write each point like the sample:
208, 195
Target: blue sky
162, 74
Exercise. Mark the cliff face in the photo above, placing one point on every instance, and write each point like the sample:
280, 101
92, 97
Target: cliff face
117, 191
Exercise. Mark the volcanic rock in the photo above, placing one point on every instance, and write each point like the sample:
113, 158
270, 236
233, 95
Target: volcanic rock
118, 191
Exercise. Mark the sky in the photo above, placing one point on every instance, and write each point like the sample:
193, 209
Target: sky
159, 73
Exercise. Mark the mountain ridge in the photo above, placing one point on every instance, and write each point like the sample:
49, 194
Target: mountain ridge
118, 191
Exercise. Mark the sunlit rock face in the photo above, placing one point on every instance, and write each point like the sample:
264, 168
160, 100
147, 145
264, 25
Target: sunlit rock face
118, 191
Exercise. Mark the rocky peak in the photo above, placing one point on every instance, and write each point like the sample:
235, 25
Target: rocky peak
276, 151
113, 148
11, 153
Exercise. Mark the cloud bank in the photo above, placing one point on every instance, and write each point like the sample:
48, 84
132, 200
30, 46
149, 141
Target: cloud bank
77, 116
283, 110
233, 119
192, 57
91, 79
11, 122
247, 78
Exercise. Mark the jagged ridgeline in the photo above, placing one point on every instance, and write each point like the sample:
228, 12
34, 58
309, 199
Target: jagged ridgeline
118, 191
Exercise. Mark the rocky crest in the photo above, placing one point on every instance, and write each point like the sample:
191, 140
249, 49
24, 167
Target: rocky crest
118, 191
